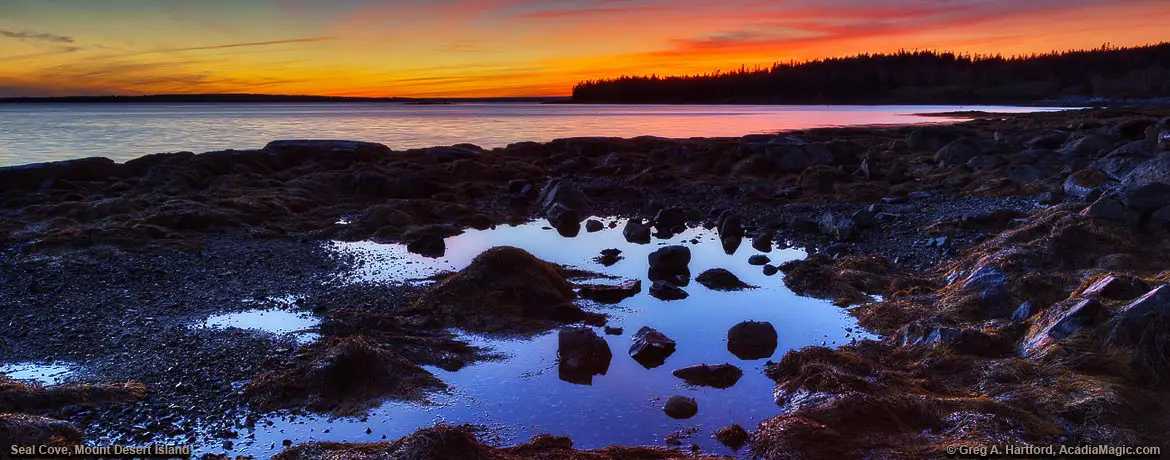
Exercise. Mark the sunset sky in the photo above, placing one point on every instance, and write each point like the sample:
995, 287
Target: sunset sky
456, 48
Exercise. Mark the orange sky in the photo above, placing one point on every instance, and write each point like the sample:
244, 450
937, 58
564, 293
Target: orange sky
502, 47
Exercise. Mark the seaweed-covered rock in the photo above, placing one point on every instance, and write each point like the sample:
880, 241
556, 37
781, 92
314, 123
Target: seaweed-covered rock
720, 279
717, 376
734, 437
28, 431
610, 293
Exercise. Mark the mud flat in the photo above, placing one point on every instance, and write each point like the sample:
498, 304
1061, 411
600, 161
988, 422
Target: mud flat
998, 281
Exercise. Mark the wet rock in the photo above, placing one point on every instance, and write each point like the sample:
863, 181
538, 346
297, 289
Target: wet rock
636, 231
1087, 184
959, 152
763, 241
1108, 207
609, 257
961, 340
734, 437
752, 340
345, 377
984, 162
989, 285
731, 244
1116, 167
594, 225
1146, 197
610, 294
564, 205
770, 270
581, 354
721, 280
429, 245
1085, 144
30, 430
1062, 321
503, 288
609, 330
1149, 172
717, 376
1051, 198
1116, 287
668, 220
1025, 311
680, 407
758, 259
664, 290
839, 228
789, 154
730, 226
651, 348
669, 262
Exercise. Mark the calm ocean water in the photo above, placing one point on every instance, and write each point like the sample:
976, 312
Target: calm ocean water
48, 132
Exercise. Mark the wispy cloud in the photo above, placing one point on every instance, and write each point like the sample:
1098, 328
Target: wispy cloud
38, 36
242, 45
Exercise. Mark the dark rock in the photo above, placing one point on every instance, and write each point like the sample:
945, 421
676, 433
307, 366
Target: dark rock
1051, 198
1147, 197
680, 407
1155, 302
669, 219
581, 354
1162, 215
517, 185
959, 152
563, 204
613, 330
1108, 207
1025, 311
1087, 144
610, 294
752, 340
763, 241
1116, 287
989, 285
734, 437
717, 376
651, 348
1116, 167
730, 226
32, 176
1164, 141
1051, 140
670, 260
609, 257
429, 245
594, 225
664, 290
1061, 321
984, 162
839, 228
868, 168
452, 154
721, 280
325, 145
1085, 183
789, 154
731, 244
836, 250
1026, 174
865, 217
1149, 172
758, 259
770, 270
636, 231
932, 138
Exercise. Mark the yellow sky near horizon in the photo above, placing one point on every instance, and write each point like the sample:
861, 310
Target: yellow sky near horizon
486, 48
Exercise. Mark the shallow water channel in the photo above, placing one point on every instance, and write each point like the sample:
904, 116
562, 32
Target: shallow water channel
522, 395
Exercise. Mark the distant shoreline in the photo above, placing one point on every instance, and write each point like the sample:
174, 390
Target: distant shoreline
263, 98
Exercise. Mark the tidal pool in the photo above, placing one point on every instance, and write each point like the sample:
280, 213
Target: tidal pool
523, 395
43, 373
300, 326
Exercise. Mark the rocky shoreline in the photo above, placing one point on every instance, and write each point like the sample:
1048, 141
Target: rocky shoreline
1013, 266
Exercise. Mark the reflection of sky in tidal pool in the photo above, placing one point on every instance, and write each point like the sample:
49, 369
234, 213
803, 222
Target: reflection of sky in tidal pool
522, 395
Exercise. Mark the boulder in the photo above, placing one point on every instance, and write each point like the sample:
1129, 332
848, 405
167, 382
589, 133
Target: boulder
789, 154
717, 376
668, 220
680, 407
581, 354
1086, 144
839, 228
1164, 141
721, 280
610, 294
989, 285
752, 340
758, 259
1025, 311
32, 176
1051, 140
734, 437
983, 162
932, 138
670, 263
1116, 167
564, 205
651, 348
664, 290
25, 430
1116, 287
452, 153
1150, 171
763, 241
1146, 197
1087, 184
1051, 197
594, 225
1156, 302
1061, 321
636, 231
1144, 327
428, 245
959, 152
1108, 207
770, 270
730, 226
962, 340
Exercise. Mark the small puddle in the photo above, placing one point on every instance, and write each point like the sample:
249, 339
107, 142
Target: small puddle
523, 395
301, 326
43, 373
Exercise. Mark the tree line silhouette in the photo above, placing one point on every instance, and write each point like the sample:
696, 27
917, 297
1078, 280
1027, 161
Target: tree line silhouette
915, 76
